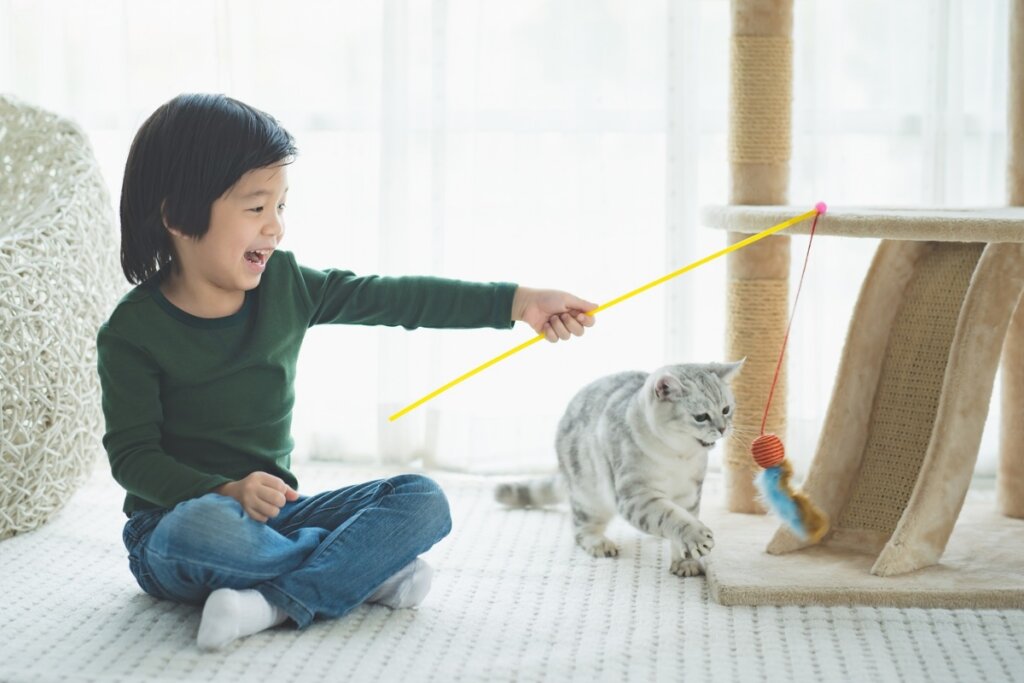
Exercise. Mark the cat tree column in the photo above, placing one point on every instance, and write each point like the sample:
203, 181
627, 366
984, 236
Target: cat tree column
1011, 466
758, 275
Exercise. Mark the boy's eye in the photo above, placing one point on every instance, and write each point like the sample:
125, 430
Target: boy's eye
703, 417
259, 209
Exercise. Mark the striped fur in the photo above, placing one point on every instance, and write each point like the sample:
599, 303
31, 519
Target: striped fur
636, 444
531, 493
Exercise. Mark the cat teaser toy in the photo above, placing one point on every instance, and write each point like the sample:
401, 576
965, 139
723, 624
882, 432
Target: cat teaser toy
813, 213
795, 509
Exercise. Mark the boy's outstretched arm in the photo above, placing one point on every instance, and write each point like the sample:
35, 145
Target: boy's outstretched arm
556, 315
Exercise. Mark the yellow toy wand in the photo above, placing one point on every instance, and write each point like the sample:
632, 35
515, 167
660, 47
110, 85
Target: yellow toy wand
696, 264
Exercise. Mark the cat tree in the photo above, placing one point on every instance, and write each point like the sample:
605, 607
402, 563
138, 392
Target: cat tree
901, 436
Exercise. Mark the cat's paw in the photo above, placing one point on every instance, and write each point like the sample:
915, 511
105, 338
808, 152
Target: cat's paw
695, 540
599, 547
686, 567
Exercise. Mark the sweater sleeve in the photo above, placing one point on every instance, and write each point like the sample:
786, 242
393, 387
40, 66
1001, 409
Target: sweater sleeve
340, 296
130, 380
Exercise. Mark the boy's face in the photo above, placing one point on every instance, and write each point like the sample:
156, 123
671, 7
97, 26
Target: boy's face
246, 225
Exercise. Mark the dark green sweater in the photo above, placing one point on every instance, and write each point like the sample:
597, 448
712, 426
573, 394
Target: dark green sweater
192, 403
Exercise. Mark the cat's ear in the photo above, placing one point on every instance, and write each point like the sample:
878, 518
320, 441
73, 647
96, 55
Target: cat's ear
728, 370
668, 388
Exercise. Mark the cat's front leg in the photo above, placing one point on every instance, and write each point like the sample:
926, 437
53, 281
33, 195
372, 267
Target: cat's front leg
683, 565
693, 538
653, 513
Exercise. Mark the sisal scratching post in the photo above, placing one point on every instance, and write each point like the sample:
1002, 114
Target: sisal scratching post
758, 276
1010, 483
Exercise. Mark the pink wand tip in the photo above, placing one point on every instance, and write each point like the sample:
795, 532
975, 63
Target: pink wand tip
821, 207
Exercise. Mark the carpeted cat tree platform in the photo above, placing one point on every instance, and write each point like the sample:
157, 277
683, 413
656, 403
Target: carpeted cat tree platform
901, 436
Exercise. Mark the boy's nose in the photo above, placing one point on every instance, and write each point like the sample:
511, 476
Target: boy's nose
274, 226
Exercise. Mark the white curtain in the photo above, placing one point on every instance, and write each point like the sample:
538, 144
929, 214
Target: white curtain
564, 144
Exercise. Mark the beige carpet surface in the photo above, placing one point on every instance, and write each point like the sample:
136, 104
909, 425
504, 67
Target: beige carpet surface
513, 600
983, 566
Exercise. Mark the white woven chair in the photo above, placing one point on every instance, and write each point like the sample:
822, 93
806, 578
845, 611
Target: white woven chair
59, 278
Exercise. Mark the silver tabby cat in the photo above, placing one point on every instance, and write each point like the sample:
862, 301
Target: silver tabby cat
637, 444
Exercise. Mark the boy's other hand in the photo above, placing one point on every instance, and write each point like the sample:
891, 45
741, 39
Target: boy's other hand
261, 495
556, 315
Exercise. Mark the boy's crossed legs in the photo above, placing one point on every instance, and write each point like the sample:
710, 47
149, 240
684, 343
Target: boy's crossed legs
323, 555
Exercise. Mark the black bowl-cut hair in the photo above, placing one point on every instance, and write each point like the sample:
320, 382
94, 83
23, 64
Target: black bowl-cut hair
187, 154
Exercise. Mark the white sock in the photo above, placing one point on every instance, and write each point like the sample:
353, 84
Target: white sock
406, 588
229, 614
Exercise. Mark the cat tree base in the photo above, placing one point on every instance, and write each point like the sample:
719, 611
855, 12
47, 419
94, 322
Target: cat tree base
982, 567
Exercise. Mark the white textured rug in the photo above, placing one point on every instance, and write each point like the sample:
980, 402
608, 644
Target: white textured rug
513, 599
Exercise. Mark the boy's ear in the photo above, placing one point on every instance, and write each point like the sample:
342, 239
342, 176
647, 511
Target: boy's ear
167, 226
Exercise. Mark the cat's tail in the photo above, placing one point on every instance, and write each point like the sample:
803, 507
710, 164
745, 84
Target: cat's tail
532, 493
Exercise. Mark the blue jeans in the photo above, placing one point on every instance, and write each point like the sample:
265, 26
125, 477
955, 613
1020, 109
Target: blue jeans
322, 556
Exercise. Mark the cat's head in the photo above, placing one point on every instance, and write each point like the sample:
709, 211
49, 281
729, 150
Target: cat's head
692, 401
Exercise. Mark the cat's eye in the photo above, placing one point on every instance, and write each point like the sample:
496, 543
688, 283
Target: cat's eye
703, 417
725, 410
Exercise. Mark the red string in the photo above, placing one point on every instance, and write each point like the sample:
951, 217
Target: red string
785, 339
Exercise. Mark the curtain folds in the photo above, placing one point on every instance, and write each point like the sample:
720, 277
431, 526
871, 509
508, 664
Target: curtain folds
559, 144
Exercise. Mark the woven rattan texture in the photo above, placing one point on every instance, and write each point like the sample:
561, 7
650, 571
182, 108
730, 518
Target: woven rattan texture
762, 88
910, 386
59, 278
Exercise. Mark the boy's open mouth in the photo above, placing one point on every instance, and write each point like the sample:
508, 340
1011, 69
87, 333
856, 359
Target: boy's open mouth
258, 256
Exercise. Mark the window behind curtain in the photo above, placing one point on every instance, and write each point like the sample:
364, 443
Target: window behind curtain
556, 144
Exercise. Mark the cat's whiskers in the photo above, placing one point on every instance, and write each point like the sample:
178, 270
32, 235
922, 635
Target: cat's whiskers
745, 431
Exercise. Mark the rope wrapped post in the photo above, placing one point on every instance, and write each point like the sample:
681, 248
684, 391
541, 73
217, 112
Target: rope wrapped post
758, 277
1010, 482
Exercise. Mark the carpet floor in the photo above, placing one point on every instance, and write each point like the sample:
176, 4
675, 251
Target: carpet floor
513, 600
